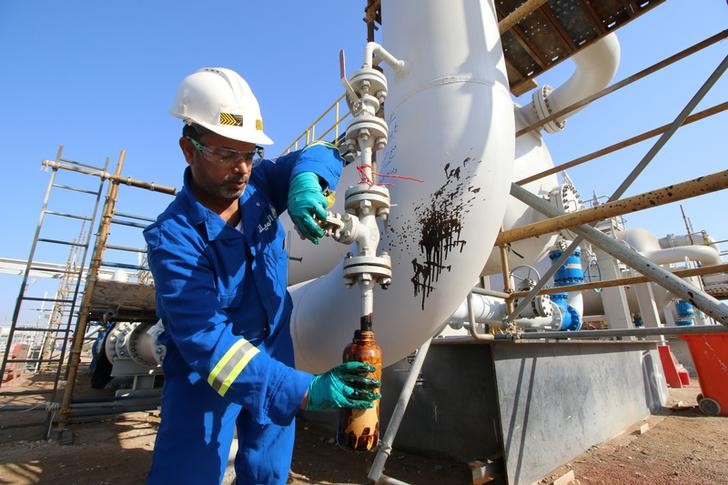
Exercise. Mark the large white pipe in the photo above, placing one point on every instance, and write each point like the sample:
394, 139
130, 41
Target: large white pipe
491, 310
596, 66
532, 156
648, 245
450, 119
703, 254
644, 242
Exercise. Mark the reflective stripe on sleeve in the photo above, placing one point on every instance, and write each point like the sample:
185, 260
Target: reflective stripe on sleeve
231, 365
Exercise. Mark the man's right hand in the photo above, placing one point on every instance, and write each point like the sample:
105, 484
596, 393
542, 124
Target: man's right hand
344, 386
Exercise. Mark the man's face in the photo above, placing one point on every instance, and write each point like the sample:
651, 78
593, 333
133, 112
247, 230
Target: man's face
217, 174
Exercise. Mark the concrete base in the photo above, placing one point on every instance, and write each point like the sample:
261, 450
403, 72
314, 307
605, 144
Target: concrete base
533, 405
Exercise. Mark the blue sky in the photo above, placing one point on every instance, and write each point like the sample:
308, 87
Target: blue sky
100, 76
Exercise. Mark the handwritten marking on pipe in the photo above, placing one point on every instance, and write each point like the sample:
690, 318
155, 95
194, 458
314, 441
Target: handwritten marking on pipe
364, 178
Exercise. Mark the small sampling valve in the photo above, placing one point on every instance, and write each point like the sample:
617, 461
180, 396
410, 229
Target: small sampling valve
364, 203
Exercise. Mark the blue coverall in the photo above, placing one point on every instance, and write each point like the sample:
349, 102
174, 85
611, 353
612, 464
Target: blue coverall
226, 312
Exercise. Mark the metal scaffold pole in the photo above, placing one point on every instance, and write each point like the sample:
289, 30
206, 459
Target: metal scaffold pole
654, 198
96, 258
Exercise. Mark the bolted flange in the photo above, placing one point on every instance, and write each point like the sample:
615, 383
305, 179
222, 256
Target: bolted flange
378, 268
371, 82
376, 195
375, 127
540, 307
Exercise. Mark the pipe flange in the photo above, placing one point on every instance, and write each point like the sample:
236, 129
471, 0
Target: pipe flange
376, 127
116, 342
110, 343
379, 268
566, 198
542, 108
135, 337
342, 227
377, 195
369, 81
540, 307
122, 342
160, 351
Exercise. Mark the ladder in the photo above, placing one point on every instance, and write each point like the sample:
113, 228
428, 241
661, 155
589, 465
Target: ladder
60, 326
49, 351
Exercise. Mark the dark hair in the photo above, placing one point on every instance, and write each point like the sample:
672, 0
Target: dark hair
194, 131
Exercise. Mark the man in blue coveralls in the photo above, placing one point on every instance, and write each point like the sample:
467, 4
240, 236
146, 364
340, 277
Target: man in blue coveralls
219, 266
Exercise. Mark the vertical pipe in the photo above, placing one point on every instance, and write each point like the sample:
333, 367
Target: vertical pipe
688, 229
93, 271
506, 269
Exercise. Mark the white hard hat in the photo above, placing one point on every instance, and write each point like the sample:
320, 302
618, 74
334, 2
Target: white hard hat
220, 100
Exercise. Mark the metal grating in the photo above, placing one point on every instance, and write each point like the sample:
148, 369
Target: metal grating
557, 30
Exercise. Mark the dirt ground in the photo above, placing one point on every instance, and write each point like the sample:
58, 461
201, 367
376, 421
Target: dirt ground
681, 446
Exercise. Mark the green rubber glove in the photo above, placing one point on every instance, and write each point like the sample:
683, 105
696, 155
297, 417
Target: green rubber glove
344, 386
306, 199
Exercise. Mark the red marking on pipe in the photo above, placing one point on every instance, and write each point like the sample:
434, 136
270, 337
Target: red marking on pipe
365, 179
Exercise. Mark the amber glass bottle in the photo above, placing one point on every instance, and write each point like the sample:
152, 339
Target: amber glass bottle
358, 429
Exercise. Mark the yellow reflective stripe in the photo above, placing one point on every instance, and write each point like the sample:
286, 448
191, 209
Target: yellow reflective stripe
235, 372
225, 359
319, 142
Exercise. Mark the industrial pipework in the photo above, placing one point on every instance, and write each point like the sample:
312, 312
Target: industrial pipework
596, 66
571, 304
365, 201
450, 124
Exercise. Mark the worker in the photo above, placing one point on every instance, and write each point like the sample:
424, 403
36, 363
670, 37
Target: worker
219, 265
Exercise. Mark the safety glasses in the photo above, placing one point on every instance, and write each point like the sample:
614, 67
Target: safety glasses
227, 156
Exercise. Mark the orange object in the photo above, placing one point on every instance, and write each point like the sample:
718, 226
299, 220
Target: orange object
684, 376
670, 367
710, 355
358, 429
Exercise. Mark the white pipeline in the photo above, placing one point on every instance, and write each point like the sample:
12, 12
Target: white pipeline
596, 66
450, 118
648, 245
491, 311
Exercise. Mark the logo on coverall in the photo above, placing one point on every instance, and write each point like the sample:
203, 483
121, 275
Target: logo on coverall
269, 220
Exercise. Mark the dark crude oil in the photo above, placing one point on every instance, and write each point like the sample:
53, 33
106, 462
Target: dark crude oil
358, 429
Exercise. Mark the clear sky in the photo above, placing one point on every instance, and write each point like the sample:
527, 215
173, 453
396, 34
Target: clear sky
100, 76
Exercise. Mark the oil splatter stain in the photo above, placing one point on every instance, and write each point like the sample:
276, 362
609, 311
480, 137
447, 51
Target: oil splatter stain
438, 222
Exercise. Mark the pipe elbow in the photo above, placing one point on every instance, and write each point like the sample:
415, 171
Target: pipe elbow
596, 66
374, 53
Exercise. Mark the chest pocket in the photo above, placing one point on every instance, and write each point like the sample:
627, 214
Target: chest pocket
232, 262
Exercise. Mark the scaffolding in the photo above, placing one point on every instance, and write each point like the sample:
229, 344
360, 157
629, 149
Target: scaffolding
56, 333
85, 295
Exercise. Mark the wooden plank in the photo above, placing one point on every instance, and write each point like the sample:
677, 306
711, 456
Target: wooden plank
123, 296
